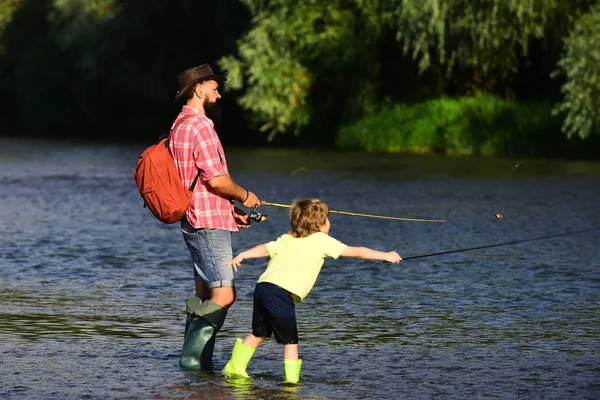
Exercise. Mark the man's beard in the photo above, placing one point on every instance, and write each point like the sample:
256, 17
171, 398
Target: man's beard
213, 111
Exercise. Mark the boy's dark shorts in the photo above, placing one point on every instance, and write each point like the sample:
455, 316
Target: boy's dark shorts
274, 312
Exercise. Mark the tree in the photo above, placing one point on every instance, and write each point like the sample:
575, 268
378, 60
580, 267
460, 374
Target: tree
485, 37
7, 9
106, 66
581, 66
290, 47
293, 45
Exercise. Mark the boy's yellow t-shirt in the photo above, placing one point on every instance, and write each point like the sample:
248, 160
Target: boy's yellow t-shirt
296, 262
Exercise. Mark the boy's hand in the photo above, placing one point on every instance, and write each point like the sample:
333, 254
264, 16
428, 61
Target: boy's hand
393, 257
236, 262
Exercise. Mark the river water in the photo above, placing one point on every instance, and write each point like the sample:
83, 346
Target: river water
92, 288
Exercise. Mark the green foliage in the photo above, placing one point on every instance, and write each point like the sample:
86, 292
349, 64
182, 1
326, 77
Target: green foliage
277, 99
478, 125
105, 65
486, 36
581, 65
306, 66
294, 46
7, 9
290, 48
78, 25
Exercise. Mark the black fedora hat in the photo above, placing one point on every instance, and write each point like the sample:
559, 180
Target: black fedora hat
194, 75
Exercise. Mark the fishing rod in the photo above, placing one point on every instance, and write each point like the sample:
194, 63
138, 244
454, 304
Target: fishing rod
500, 244
260, 217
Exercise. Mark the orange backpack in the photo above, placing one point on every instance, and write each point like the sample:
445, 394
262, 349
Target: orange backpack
159, 182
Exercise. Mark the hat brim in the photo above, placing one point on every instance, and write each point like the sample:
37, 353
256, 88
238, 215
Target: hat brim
218, 78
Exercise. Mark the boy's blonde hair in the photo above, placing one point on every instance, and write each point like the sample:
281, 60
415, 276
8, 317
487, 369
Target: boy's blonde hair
307, 217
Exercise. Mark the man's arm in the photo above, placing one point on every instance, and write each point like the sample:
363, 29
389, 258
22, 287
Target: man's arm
226, 187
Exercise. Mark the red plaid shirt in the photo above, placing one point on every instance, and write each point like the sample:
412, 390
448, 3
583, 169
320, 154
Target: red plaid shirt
196, 147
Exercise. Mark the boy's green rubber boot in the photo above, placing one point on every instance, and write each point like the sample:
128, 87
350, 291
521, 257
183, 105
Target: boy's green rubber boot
240, 357
206, 320
291, 369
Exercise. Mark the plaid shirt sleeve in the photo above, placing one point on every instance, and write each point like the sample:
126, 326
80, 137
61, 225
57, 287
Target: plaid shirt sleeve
208, 152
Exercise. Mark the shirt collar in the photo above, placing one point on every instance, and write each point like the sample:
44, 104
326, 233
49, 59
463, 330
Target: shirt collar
190, 110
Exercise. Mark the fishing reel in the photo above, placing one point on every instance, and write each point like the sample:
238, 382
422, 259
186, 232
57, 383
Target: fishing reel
258, 216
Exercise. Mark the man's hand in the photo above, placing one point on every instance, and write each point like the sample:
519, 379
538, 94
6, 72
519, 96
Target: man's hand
252, 201
242, 220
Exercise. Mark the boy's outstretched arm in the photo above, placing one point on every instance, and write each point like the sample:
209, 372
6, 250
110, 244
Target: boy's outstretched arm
370, 254
255, 252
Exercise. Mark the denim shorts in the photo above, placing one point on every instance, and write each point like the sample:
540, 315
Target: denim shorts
210, 250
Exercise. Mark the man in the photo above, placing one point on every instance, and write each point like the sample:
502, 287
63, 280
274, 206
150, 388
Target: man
211, 217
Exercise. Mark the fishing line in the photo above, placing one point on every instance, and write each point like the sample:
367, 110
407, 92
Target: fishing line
266, 203
499, 215
501, 244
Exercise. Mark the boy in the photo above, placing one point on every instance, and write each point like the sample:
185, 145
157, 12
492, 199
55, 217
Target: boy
296, 260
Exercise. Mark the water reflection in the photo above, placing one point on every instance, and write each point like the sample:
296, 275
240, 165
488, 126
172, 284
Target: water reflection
40, 326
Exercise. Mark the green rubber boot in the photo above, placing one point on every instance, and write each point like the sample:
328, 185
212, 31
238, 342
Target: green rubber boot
207, 318
291, 369
206, 356
240, 357
191, 305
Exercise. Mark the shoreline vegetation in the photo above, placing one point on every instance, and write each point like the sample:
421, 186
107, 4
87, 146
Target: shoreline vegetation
483, 125
466, 77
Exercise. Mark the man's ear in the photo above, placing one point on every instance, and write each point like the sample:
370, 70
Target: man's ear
198, 90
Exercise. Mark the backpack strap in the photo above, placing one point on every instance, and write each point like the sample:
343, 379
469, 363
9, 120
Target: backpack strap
194, 182
178, 123
167, 146
168, 137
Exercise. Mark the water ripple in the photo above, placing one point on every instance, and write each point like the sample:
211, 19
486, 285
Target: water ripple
93, 289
